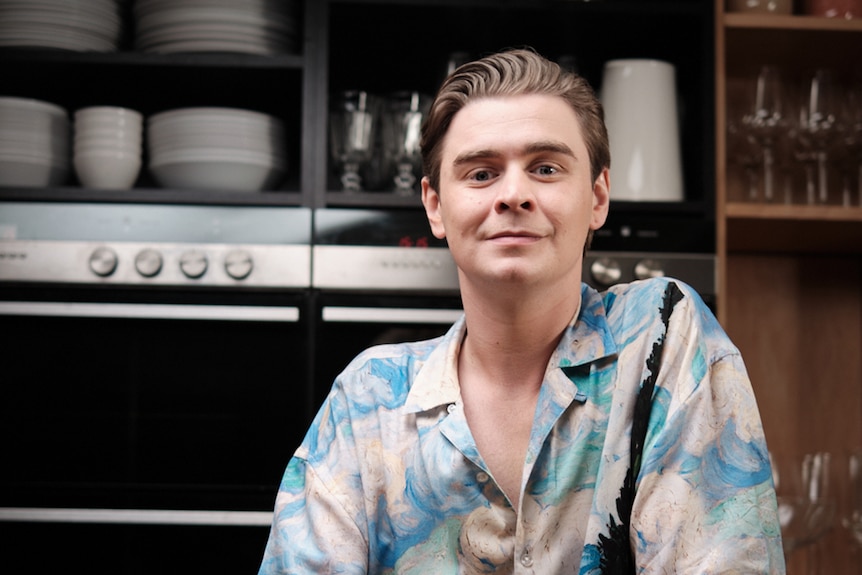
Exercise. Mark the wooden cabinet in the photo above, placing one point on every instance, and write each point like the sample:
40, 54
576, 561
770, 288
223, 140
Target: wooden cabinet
790, 276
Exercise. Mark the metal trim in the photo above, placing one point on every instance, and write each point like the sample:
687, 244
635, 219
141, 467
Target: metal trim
135, 516
151, 311
390, 315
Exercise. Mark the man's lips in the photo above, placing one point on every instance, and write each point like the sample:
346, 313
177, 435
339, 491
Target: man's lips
514, 237
514, 234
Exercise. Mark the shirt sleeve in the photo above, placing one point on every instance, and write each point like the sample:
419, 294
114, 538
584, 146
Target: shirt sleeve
318, 508
705, 501
311, 532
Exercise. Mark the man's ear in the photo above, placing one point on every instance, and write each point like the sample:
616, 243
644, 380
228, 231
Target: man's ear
431, 201
601, 199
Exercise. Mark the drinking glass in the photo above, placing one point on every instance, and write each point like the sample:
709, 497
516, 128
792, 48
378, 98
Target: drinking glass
806, 504
742, 152
353, 122
765, 121
851, 517
816, 132
402, 123
849, 150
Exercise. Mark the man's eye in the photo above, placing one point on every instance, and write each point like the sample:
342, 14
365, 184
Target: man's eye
546, 170
481, 176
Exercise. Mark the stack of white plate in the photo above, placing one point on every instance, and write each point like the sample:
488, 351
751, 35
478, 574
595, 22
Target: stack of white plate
264, 27
80, 25
216, 149
34, 143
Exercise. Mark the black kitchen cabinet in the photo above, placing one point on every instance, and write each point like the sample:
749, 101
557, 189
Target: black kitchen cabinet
380, 46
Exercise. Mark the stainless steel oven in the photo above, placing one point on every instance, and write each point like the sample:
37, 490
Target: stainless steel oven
380, 276
156, 378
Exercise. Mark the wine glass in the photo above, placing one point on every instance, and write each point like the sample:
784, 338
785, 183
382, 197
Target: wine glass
852, 516
765, 121
353, 122
402, 123
816, 132
742, 152
806, 504
849, 148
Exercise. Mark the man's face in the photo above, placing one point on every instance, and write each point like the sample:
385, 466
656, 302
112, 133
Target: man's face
516, 198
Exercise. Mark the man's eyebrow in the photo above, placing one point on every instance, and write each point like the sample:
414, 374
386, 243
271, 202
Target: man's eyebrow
545, 146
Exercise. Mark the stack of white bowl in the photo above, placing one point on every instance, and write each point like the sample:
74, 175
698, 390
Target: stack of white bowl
108, 147
264, 27
34, 143
216, 149
80, 25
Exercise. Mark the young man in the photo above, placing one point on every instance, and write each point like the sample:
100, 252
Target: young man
553, 429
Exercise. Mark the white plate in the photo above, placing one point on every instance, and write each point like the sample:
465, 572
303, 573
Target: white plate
217, 155
213, 46
231, 33
221, 175
214, 114
31, 104
66, 38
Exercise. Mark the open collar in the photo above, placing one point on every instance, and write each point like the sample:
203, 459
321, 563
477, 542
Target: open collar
587, 339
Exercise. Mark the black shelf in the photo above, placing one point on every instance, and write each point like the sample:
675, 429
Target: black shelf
152, 196
223, 60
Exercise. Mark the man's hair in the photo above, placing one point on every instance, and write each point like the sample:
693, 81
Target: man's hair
513, 73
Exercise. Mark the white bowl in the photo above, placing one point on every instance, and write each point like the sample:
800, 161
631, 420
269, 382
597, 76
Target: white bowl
31, 172
181, 144
108, 114
219, 175
106, 135
101, 146
107, 170
210, 113
219, 155
31, 105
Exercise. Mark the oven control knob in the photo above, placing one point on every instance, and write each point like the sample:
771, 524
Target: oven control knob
648, 268
193, 264
238, 264
103, 261
148, 263
605, 271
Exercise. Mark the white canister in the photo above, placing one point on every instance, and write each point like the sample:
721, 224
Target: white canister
639, 98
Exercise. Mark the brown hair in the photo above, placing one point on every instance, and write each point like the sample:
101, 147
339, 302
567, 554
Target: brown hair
511, 73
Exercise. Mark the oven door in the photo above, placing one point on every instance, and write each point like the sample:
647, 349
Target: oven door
126, 409
349, 323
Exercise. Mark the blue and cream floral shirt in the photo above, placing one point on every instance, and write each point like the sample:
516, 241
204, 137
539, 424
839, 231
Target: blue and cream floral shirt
389, 479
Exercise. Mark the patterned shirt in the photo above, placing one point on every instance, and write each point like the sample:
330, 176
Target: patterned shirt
389, 478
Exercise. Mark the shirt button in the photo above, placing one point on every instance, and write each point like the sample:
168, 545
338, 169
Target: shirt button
482, 477
452, 407
526, 558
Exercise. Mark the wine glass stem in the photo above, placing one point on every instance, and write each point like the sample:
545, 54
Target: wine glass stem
859, 185
768, 162
822, 184
751, 172
810, 186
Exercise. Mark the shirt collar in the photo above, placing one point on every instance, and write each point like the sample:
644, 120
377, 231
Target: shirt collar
587, 339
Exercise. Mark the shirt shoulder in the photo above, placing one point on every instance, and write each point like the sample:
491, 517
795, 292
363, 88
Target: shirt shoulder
645, 305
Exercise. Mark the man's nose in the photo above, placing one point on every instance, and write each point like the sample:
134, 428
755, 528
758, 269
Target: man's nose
515, 192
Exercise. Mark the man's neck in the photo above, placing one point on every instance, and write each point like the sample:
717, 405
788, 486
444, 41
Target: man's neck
510, 339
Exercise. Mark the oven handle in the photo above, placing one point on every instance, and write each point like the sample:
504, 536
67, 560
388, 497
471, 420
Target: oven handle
151, 311
390, 315
135, 516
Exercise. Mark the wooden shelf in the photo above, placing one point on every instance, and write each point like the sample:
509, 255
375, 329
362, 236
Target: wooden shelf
783, 229
782, 22
742, 210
